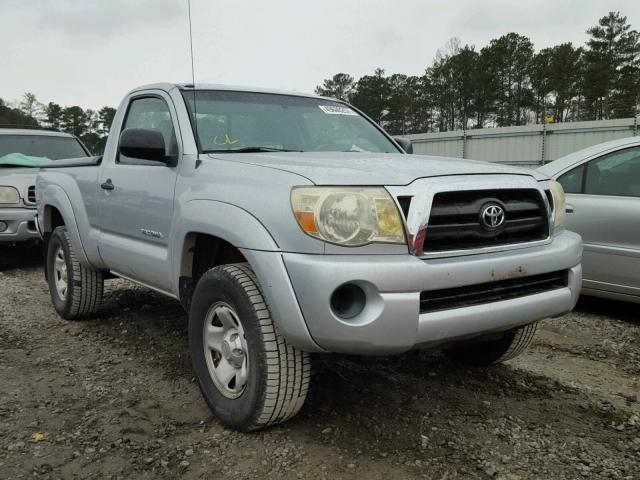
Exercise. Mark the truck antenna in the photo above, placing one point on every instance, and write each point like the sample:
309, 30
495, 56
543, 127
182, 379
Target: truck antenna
193, 75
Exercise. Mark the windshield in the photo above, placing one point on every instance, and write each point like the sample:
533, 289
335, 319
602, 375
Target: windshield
14, 148
248, 122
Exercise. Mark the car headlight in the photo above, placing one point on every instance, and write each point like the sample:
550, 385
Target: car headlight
349, 216
559, 204
9, 196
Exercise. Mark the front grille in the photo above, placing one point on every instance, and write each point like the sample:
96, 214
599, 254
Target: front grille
455, 220
31, 195
435, 300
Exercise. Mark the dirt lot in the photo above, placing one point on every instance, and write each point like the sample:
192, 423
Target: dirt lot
114, 398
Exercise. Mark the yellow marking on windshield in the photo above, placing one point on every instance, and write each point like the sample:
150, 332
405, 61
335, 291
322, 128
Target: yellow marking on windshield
227, 140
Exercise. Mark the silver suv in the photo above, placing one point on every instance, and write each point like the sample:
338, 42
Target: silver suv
22, 151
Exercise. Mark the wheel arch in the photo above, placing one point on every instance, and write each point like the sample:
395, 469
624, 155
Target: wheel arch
56, 210
200, 252
209, 233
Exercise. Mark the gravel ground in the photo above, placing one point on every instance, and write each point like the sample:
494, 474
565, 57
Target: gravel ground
114, 397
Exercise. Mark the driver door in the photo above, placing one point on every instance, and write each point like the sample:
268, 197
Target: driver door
136, 200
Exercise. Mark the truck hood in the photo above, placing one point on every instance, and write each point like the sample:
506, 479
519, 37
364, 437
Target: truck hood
18, 177
355, 168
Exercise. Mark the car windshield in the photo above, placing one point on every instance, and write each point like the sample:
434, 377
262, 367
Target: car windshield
243, 122
30, 150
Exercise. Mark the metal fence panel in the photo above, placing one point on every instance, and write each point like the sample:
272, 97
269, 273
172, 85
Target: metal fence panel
529, 145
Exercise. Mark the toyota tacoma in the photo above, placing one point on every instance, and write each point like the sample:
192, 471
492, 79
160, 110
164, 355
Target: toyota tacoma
290, 224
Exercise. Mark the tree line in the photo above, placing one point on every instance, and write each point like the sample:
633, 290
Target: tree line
90, 126
506, 83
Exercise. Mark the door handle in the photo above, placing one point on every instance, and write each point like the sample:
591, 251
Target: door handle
108, 185
569, 208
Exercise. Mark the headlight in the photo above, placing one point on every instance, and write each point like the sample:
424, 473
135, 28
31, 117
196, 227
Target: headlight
350, 216
9, 196
559, 204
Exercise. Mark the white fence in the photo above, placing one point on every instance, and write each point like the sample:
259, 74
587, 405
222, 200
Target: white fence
529, 145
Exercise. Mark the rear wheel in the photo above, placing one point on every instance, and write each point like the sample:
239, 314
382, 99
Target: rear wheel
482, 353
248, 374
76, 290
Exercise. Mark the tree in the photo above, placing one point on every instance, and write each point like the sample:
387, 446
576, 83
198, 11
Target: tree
341, 86
397, 118
442, 92
464, 67
53, 115
483, 92
556, 74
74, 121
105, 118
14, 116
612, 63
372, 95
31, 107
509, 60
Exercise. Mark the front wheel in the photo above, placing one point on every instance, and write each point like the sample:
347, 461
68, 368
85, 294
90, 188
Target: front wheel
507, 346
247, 372
76, 289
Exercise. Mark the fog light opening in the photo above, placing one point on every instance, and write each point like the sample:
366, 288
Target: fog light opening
348, 301
3, 226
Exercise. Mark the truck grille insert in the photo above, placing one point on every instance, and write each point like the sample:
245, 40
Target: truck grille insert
435, 300
456, 219
31, 195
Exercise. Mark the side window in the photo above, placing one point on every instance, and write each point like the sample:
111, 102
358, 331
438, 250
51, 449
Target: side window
615, 174
150, 113
572, 180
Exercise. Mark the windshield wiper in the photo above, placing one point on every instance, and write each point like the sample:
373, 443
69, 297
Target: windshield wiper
251, 150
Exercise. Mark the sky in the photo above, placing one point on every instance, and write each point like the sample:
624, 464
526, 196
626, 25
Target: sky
91, 52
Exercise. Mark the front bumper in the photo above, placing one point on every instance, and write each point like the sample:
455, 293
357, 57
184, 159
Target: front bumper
21, 225
391, 321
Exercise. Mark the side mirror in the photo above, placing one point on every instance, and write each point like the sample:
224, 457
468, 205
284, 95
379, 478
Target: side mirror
405, 143
145, 144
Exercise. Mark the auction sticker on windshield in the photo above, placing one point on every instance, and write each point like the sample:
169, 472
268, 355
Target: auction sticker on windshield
337, 110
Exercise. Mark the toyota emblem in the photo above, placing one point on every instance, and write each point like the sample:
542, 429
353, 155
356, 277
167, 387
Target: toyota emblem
492, 216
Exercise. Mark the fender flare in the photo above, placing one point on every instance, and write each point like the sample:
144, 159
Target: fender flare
53, 196
219, 219
224, 220
245, 232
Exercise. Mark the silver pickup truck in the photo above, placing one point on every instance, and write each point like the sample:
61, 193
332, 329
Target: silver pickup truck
22, 150
290, 224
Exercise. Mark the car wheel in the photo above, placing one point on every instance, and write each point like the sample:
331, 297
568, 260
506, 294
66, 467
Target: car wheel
248, 374
76, 290
483, 353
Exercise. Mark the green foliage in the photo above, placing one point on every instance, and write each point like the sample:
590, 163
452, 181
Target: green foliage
90, 126
14, 116
612, 66
339, 86
372, 94
506, 83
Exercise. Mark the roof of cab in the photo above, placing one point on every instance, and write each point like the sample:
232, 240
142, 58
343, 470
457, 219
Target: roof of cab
229, 88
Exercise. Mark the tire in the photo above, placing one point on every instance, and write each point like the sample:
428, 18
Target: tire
257, 379
84, 285
484, 353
